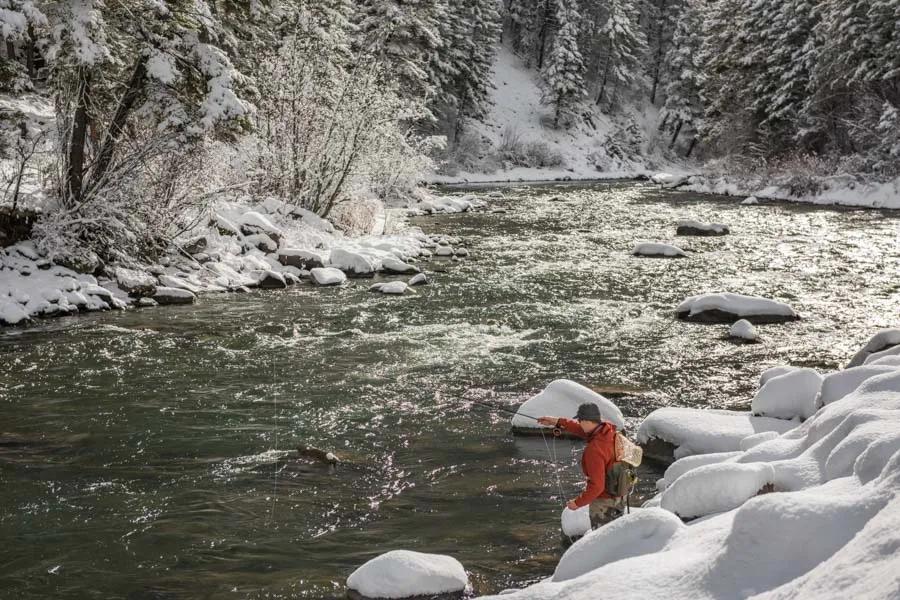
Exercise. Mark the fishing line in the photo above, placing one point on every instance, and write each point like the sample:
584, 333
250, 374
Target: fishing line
275, 435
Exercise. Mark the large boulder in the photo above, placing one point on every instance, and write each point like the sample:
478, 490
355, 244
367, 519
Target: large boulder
728, 308
354, 264
561, 398
327, 276
270, 280
252, 222
301, 259
135, 283
169, 295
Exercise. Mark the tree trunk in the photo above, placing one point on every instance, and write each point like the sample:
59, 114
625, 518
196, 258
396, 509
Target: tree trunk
657, 63
117, 125
29, 53
74, 181
691, 147
545, 25
10, 50
677, 131
603, 83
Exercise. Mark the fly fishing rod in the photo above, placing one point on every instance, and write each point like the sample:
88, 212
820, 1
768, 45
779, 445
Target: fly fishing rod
556, 430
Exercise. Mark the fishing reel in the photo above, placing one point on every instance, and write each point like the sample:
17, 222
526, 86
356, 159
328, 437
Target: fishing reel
557, 432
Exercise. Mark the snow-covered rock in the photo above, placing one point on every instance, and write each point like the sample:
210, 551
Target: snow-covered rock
837, 385
252, 222
393, 265
420, 279
136, 283
561, 398
744, 330
403, 574
658, 250
775, 372
261, 241
689, 227
886, 353
575, 523
884, 339
688, 431
443, 251
728, 308
395, 288
642, 532
716, 488
461, 252
328, 276
227, 227
301, 259
270, 280
668, 180
750, 201
180, 283
12, 313
170, 295
354, 264
789, 396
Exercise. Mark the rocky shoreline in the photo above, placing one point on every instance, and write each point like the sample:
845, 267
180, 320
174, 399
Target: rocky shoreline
242, 246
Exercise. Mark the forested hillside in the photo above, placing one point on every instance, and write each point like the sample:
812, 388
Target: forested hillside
120, 119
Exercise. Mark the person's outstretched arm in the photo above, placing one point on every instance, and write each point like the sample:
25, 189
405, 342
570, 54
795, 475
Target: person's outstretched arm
567, 425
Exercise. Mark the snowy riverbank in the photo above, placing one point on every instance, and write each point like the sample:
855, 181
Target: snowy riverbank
242, 244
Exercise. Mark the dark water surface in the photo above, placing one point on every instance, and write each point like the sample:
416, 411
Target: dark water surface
147, 454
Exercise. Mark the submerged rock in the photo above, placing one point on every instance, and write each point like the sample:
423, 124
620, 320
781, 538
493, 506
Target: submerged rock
397, 288
688, 227
658, 250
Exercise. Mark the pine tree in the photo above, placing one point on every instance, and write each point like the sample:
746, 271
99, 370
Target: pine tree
622, 49
471, 41
683, 107
563, 73
405, 34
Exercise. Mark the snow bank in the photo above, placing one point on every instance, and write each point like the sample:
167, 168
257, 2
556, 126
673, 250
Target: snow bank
788, 396
716, 488
403, 573
657, 249
882, 340
886, 353
644, 531
756, 439
683, 465
728, 307
830, 530
744, 330
843, 383
695, 431
576, 523
668, 180
561, 399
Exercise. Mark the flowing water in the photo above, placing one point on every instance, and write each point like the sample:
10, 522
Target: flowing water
149, 454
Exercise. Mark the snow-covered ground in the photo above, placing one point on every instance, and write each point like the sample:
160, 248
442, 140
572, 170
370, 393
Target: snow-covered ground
811, 512
517, 112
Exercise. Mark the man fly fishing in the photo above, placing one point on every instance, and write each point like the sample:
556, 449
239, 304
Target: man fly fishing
598, 462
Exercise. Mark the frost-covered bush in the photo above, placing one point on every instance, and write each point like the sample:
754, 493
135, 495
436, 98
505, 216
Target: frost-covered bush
513, 149
329, 122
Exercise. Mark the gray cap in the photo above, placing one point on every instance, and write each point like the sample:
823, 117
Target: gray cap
588, 412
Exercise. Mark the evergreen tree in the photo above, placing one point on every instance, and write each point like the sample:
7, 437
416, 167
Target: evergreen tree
622, 49
563, 73
683, 106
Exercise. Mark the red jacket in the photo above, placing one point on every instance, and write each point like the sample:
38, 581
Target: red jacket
598, 457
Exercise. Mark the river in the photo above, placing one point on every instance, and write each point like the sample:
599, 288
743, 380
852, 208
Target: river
149, 454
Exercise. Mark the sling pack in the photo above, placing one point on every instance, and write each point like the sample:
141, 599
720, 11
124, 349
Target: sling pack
621, 478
